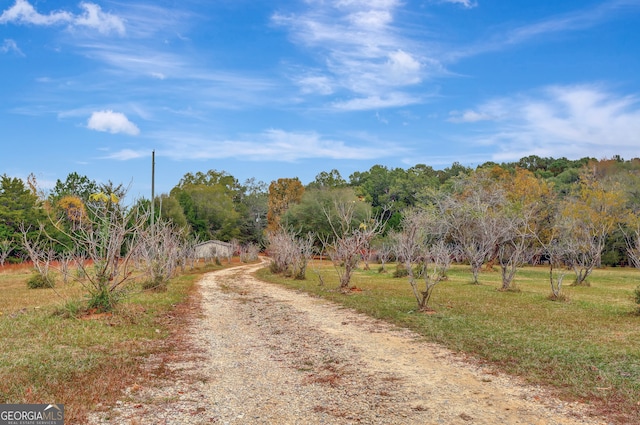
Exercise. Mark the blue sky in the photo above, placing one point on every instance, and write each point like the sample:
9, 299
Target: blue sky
290, 88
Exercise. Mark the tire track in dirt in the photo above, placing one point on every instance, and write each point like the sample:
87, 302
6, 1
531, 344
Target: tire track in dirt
270, 355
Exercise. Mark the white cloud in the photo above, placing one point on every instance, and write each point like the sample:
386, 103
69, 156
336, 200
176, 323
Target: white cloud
22, 12
403, 68
466, 3
112, 122
582, 19
468, 116
10, 45
571, 121
377, 4
127, 154
311, 83
371, 18
360, 48
94, 17
272, 145
377, 102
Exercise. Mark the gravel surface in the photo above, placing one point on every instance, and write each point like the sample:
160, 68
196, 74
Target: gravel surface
258, 353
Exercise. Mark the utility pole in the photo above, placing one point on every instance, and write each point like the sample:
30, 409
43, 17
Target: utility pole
153, 179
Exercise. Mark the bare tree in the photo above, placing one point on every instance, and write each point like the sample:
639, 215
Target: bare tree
423, 251
289, 252
558, 269
249, 252
109, 241
350, 240
65, 260
632, 238
235, 249
475, 222
383, 254
41, 253
516, 246
585, 220
188, 253
557, 251
630, 223
6, 246
158, 253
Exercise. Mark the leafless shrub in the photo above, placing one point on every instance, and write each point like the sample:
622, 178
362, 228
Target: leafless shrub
423, 251
350, 240
383, 254
109, 241
475, 224
41, 253
158, 254
289, 252
65, 261
249, 252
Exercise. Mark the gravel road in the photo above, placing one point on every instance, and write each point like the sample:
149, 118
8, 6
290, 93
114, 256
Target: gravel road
258, 353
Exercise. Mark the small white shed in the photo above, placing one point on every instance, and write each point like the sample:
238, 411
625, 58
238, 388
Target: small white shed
213, 249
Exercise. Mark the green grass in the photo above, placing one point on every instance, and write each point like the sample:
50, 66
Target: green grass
586, 348
84, 361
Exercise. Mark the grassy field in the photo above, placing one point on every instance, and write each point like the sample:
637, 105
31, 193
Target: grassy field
83, 362
586, 348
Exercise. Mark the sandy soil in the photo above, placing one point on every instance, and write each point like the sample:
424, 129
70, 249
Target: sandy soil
258, 353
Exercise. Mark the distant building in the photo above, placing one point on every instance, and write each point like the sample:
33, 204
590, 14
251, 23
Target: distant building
213, 249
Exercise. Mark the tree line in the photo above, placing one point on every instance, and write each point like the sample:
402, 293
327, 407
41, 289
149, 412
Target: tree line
576, 214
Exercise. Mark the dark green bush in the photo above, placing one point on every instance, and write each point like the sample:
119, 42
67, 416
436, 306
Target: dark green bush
158, 284
401, 271
38, 281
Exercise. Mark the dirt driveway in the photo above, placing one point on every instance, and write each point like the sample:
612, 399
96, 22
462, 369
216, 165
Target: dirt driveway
262, 354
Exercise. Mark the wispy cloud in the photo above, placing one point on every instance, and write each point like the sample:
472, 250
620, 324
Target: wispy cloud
469, 116
9, 45
23, 13
572, 121
112, 122
360, 50
127, 154
574, 21
151, 21
469, 4
270, 145
395, 99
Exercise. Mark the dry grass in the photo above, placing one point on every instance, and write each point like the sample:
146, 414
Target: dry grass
17, 298
585, 348
84, 362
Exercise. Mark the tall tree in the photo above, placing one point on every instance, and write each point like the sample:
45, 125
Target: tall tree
18, 206
252, 207
283, 193
209, 210
74, 185
212, 178
328, 180
317, 210
210, 204
170, 210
